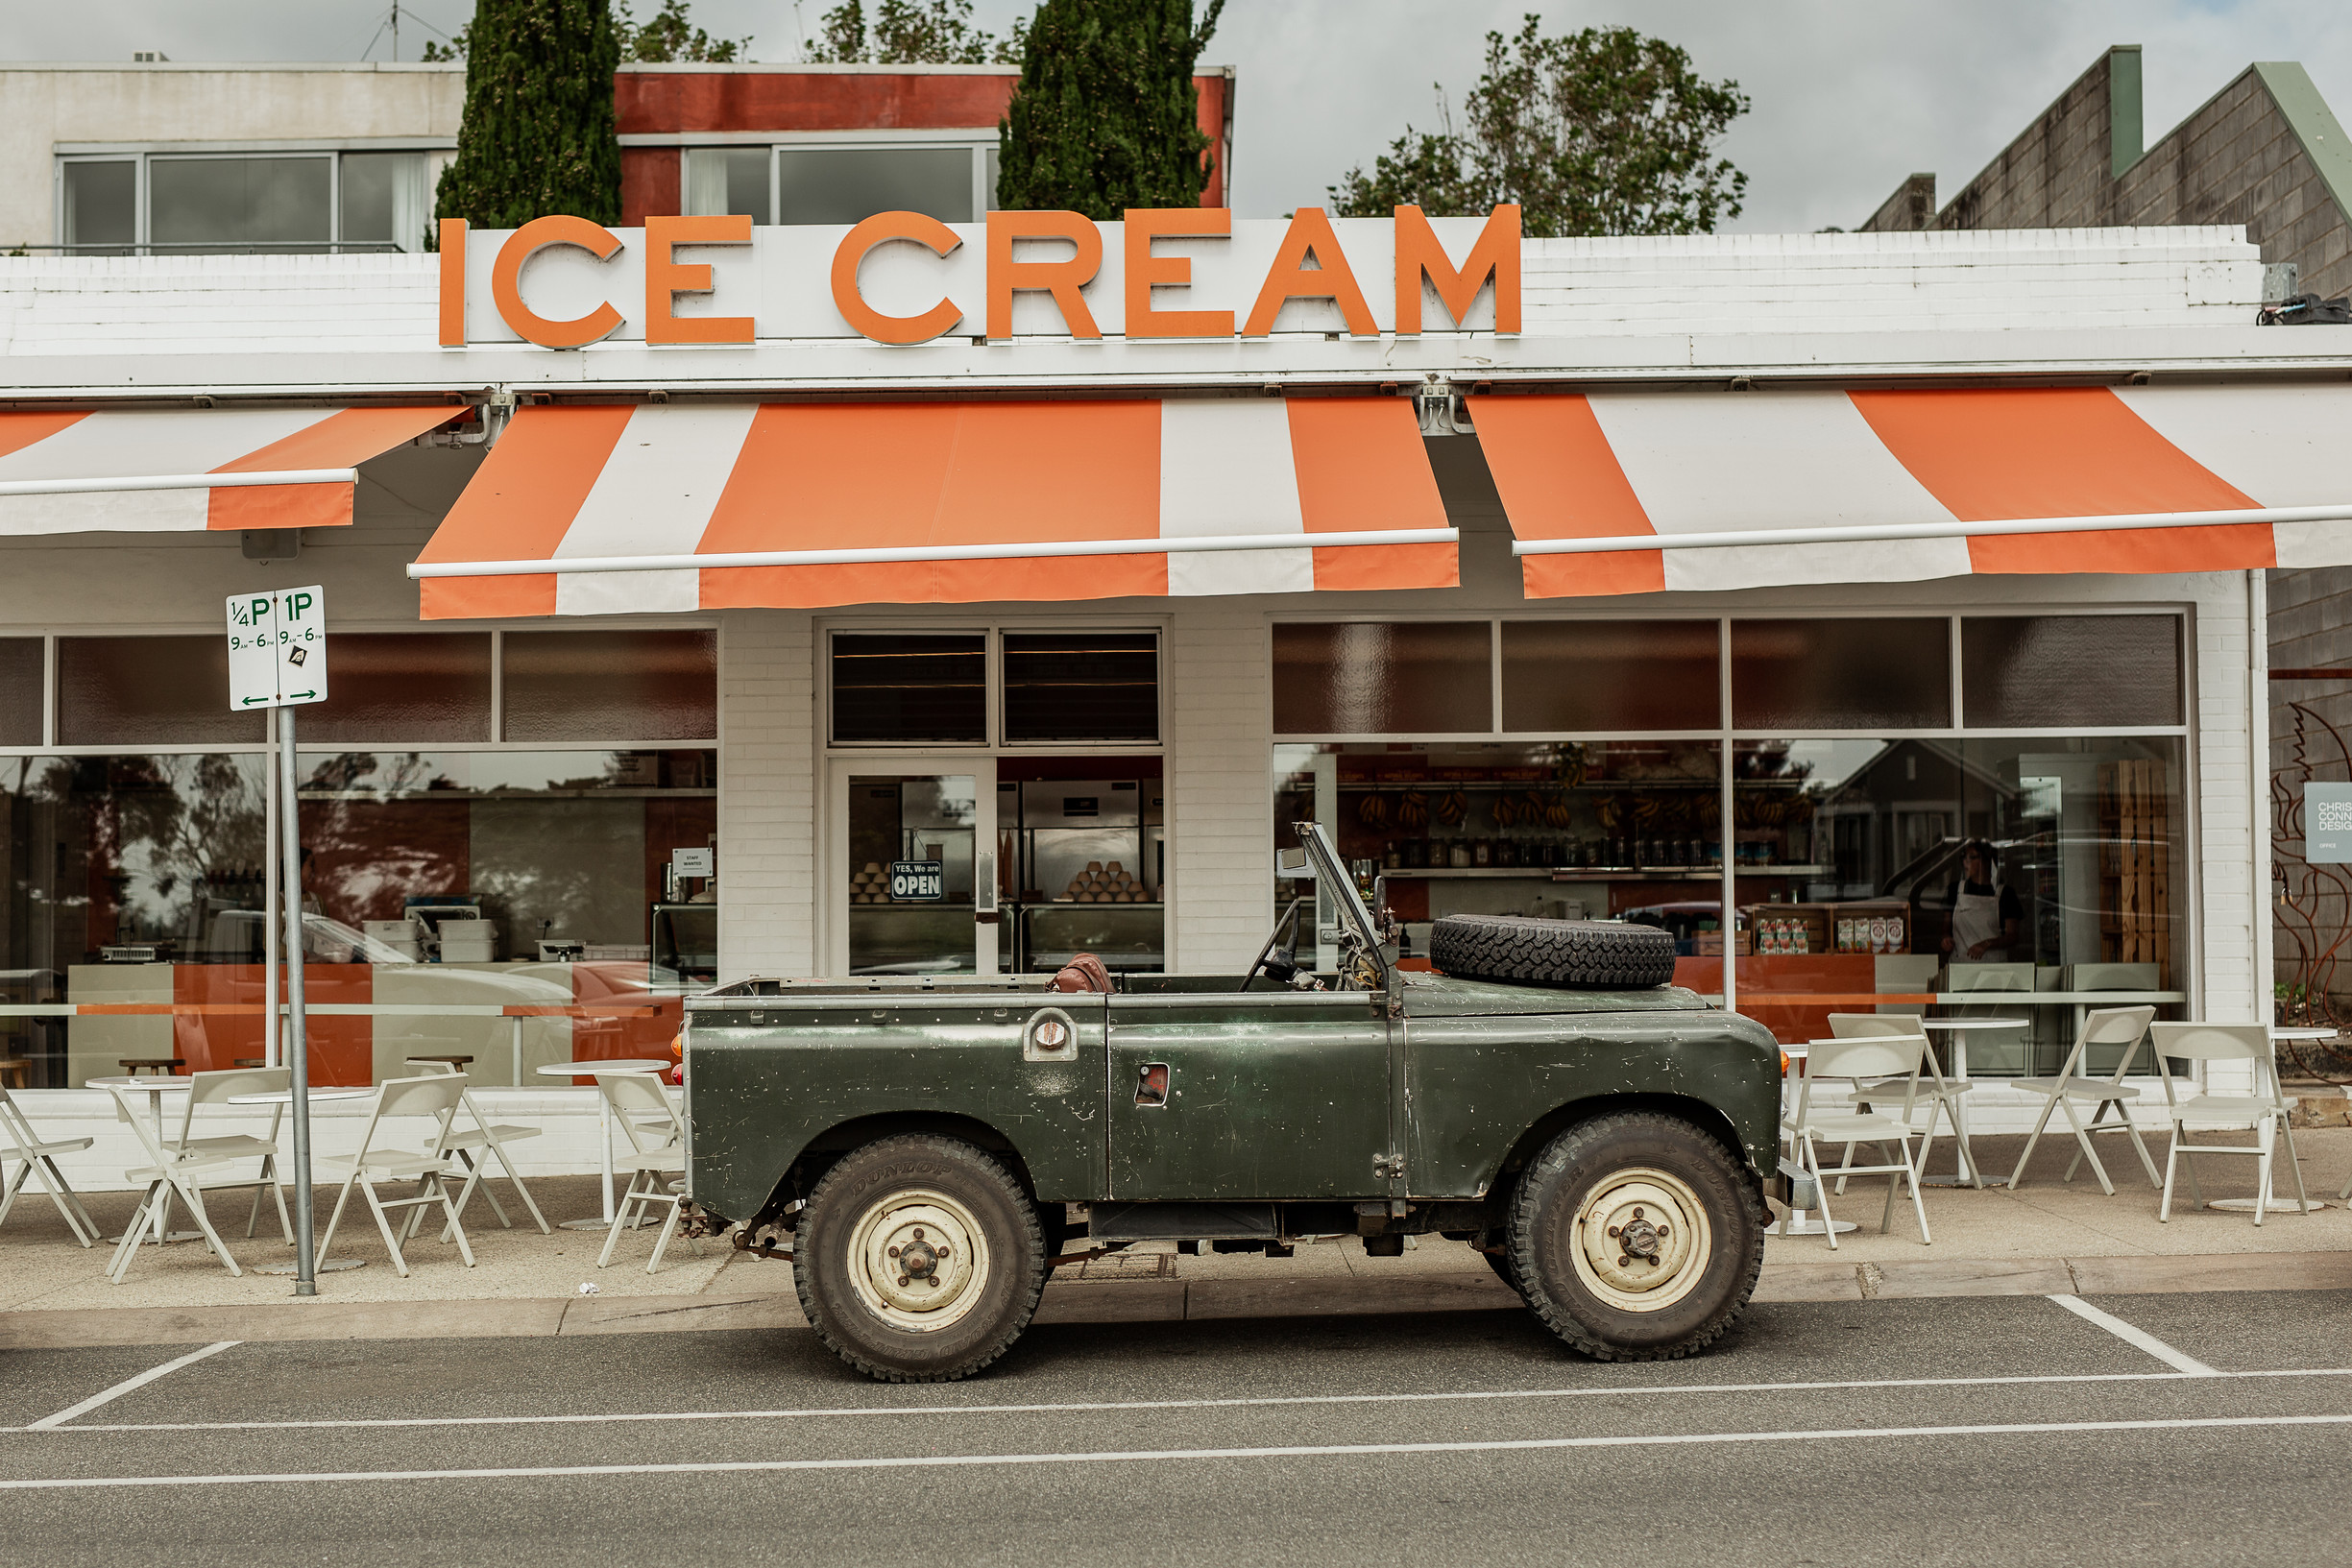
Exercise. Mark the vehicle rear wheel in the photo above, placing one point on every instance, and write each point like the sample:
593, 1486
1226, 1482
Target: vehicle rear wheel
1637, 1237
918, 1259
1519, 950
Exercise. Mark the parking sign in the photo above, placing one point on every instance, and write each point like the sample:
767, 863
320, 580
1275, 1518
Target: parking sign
276, 648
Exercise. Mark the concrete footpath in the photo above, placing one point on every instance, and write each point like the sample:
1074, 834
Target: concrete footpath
1147, 1298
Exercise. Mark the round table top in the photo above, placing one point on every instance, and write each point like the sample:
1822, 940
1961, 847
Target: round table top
154, 1083
286, 1096
618, 1064
2302, 1031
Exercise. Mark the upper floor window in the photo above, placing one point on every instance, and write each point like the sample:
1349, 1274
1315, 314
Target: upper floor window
290, 201
800, 183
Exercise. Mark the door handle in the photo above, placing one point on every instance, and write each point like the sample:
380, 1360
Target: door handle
1151, 1086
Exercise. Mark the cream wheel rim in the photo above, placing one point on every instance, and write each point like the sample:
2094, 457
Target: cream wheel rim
918, 1260
1643, 1239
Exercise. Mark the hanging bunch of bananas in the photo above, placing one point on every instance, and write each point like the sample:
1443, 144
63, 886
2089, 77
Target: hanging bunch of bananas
1413, 810
1372, 811
1556, 812
1453, 808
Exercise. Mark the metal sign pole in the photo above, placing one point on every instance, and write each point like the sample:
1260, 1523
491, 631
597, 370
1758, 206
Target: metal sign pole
296, 1049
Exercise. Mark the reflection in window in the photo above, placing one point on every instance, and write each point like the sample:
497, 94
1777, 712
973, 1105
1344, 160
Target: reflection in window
1081, 685
385, 199
929, 686
727, 179
849, 185
239, 201
1382, 677
403, 686
2071, 671
100, 203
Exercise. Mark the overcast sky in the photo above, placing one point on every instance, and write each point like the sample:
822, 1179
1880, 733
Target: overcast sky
1850, 95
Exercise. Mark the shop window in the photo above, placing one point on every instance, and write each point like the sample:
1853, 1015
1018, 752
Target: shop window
100, 203
849, 185
1382, 677
402, 686
149, 692
20, 691
384, 199
1081, 685
610, 685
2071, 671
916, 688
1587, 676
727, 179
1916, 870
1859, 674
239, 201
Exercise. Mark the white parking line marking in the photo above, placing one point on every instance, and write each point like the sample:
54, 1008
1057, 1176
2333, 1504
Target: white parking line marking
50, 1423
947, 1461
2141, 1338
1100, 1407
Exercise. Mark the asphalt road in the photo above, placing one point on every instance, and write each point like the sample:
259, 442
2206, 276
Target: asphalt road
2205, 1429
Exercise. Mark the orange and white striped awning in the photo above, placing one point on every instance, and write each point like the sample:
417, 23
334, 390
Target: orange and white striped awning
702, 506
1755, 489
168, 470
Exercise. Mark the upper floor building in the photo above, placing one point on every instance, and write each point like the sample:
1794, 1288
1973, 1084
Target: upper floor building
165, 156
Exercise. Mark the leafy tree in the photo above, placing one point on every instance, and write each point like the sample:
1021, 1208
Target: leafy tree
1602, 132
1106, 116
670, 36
912, 33
537, 134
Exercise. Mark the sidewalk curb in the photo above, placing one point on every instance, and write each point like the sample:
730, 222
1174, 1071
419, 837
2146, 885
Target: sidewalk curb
1136, 1301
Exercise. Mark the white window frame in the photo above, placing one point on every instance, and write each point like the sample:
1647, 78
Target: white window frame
980, 143
143, 155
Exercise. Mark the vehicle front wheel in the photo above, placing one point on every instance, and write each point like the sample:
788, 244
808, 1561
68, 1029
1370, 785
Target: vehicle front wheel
1637, 1237
918, 1259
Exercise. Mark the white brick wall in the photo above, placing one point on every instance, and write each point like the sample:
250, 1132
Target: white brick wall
1220, 785
766, 795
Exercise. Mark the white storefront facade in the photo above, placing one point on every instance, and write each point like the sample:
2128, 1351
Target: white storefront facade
915, 649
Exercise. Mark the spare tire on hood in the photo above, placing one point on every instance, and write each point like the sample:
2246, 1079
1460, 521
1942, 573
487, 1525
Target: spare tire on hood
1517, 950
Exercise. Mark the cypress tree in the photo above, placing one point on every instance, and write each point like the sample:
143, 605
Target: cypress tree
1105, 116
538, 137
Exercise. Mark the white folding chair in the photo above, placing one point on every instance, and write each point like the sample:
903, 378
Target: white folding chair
1854, 1060
167, 1174
37, 1158
215, 1089
434, 1094
1939, 1094
488, 1142
2124, 1026
657, 1153
2262, 1113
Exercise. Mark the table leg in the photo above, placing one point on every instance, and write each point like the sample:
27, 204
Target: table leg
604, 1129
516, 1034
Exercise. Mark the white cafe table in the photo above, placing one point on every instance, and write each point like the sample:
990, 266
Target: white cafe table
604, 1117
1959, 1030
2271, 1204
157, 1087
1801, 1221
286, 1096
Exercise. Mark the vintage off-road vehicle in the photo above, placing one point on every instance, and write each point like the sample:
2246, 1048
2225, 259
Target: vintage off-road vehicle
928, 1148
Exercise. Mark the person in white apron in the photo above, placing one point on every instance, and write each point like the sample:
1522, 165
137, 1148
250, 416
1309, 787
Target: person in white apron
1985, 920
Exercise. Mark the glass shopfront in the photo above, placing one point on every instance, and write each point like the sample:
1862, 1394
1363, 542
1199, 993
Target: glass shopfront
491, 822
997, 800
1914, 810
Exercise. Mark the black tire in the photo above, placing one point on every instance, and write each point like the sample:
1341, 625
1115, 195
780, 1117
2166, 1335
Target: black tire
854, 1327
1520, 951
1501, 1264
1705, 1279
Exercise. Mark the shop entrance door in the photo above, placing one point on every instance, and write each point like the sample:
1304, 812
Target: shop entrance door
913, 866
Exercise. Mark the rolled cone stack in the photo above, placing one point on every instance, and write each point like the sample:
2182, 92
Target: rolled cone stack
872, 885
1101, 884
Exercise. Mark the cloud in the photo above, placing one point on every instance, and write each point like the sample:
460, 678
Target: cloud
1850, 95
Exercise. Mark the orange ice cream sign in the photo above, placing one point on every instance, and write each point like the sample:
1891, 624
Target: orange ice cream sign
1309, 263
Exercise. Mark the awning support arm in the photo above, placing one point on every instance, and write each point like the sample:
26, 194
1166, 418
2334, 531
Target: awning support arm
891, 554
179, 481
1890, 532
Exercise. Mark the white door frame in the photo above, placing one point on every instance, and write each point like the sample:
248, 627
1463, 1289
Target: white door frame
833, 863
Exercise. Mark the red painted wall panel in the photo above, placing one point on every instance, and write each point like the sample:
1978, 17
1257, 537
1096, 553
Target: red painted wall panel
650, 183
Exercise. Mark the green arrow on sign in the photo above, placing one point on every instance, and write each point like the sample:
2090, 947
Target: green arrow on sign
291, 696
250, 701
